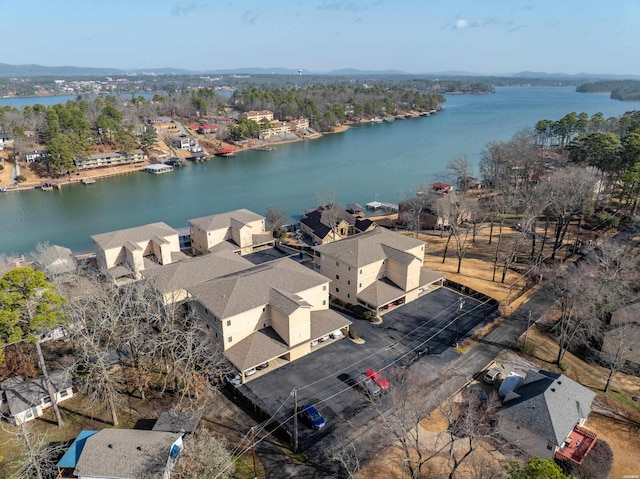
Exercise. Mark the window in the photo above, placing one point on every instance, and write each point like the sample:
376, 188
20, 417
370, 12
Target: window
338, 263
64, 394
337, 290
360, 285
324, 287
29, 413
324, 302
348, 295
348, 281
337, 276
228, 322
361, 271
264, 309
230, 339
216, 334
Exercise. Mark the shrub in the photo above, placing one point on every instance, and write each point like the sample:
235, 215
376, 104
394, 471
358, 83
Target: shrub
279, 232
596, 464
353, 333
367, 315
563, 366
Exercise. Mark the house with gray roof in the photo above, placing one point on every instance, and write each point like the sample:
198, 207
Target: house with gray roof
124, 254
23, 401
271, 311
378, 269
241, 231
539, 415
621, 341
331, 223
128, 454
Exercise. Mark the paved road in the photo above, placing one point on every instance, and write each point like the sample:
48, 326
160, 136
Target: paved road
466, 366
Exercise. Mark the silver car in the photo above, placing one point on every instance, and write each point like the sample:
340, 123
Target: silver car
364, 382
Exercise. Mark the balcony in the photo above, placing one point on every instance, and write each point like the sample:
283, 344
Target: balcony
577, 445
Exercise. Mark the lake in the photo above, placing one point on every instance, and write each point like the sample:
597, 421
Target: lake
372, 161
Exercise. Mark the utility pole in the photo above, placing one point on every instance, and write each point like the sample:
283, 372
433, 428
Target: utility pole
295, 419
253, 452
459, 312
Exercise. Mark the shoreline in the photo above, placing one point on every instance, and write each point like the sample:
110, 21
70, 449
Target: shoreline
110, 172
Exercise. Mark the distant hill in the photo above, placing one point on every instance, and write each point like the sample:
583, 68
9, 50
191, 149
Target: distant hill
40, 71
7, 70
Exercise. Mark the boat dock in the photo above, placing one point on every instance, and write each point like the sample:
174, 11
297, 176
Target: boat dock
158, 169
88, 181
379, 205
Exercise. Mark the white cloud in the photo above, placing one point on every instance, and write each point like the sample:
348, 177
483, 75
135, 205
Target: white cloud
461, 24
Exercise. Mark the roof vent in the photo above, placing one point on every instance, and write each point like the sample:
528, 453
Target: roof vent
559, 382
138, 448
110, 446
553, 389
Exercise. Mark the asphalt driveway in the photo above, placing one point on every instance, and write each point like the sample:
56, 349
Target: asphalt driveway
416, 332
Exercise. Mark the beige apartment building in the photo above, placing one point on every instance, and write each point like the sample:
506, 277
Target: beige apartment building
267, 312
378, 269
124, 254
259, 115
241, 231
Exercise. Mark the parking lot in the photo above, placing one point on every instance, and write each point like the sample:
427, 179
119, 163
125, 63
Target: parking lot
421, 333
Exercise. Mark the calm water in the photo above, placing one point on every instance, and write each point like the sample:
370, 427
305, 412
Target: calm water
381, 161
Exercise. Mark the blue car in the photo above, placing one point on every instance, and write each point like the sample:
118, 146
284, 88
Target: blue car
311, 416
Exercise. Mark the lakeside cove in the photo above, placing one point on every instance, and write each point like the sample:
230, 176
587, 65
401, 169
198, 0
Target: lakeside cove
370, 160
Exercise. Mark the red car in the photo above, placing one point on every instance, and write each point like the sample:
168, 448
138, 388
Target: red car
376, 378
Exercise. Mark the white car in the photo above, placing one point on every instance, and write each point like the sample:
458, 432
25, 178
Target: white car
336, 334
324, 338
314, 343
250, 372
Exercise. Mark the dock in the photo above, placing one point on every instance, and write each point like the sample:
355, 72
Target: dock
379, 205
158, 169
88, 181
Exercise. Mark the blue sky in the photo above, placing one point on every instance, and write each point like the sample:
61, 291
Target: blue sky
416, 36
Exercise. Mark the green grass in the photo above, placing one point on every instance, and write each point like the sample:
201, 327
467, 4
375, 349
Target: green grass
624, 399
244, 468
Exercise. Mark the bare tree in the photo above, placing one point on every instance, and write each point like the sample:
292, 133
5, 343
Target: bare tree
206, 455
456, 211
472, 424
577, 295
460, 170
401, 422
618, 347
39, 455
570, 192
345, 452
416, 204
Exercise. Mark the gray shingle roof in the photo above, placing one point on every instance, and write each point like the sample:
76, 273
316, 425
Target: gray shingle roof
223, 220
366, 248
172, 421
136, 234
176, 276
126, 453
548, 404
23, 395
237, 292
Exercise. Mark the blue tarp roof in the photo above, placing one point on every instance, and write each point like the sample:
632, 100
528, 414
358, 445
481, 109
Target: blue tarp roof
71, 457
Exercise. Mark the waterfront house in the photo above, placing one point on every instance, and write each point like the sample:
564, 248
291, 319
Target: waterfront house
429, 217
56, 260
257, 116
182, 142
23, 401
100, 160
277, 128
122, 454
266, 313
5, 140
241, 231
378, 269
36, 156
544, 416
440, 187
331, 223
124, 254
